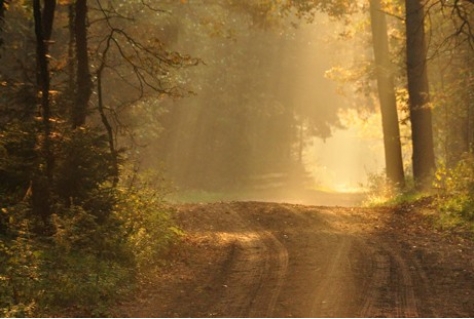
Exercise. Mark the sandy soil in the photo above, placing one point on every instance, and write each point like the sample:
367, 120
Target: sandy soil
255, 259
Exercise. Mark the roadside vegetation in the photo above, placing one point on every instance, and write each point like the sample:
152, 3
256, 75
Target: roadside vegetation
455, 196
84, 262
450, 201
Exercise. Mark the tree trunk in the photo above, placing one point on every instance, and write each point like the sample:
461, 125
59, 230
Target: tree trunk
71, 60
48, 18
386, 92
83, 80
43, 178
3, 8
419, 99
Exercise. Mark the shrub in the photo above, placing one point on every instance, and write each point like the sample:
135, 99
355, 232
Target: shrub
147, 225
85, 264
379, 190
456, 192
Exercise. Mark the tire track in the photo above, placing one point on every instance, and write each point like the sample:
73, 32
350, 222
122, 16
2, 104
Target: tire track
257, 272
259, 269
276, 265
379, 266
326, 295
388, 269
405, 292
281, 260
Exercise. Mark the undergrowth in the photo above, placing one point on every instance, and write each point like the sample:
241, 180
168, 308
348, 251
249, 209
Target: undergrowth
452, 194
84, 265
380, 192
455, 199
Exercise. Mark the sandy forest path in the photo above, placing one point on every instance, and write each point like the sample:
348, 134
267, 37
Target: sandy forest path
253, 259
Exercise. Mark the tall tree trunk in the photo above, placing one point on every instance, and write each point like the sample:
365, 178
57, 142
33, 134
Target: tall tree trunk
48, 18
419, 99
388, 102
71, 60
43, 178
83, 79
3, 8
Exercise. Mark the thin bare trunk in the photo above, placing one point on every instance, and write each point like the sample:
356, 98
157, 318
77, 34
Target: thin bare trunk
105, 121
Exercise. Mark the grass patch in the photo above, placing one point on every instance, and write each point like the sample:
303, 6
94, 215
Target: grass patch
199, 196
381, 192
203, 196
451, 202
455, 212
405, 197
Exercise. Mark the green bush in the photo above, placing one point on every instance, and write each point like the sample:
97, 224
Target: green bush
19, 270
17, 158
147, 225
379, 190
456, 192
85, 264
95, 239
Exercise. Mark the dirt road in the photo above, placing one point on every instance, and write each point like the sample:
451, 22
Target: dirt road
251, 259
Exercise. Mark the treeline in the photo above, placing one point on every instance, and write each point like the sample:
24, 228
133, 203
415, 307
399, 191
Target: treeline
420, 71
432, 55
74, 232
57, 110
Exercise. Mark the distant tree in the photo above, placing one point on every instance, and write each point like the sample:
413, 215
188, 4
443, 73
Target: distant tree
419, 98
135, 70
249, 116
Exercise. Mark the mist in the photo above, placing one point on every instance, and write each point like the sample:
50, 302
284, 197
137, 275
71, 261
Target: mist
343, 162
264, 120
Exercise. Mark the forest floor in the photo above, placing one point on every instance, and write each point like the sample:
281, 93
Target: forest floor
263, 259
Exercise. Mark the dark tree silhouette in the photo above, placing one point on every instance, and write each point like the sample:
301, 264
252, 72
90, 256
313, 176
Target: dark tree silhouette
83, 76
41, 182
